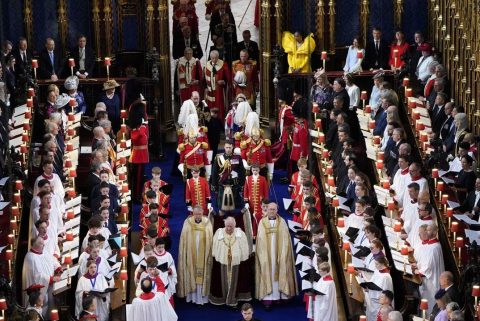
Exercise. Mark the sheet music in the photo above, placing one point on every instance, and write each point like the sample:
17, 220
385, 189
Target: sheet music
60, 284
16, 142
3, 205
73, 202
73, 271
85, 149
16, 132
447, 180
294, 226
453, 204
313, 133
72, 223
399, 267
473, 235
466, 219
115, 268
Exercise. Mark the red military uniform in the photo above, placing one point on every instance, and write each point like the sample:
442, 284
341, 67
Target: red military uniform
285, 116
197, 192
201, 138
254, 191
189, 71
139, 137
299, 142
256, 152
193, 155
216, 94
250, 87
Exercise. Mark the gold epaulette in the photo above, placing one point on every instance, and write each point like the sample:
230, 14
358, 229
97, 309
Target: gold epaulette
238, 136
180, 131
268, 142
204, 145
235, 62
243, 145
261, 132
205, 129
181, 147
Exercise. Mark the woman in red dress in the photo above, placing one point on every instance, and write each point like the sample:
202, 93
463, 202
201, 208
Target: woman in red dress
398, 49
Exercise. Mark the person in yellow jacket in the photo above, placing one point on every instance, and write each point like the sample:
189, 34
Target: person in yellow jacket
298, 49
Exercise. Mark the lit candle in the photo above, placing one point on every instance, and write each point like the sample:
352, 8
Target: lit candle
124, 188
360, 54
368, 109
318, 123
69, 147
324, 55
363, 95
70, 215
69, 236
395, 53
315, 108
331, 181
380, 155
123, 230
123, 113
325, 154
379, 164
71, 117
406, 82
18, 184
123, 128
68, 163
107, 61
386, 184
397, 227
321, 138
371, 124
409, 92
34, 63
73, 173
444, 199
54, 315
123, 252
391, 205
71, 62
341, 222
70, 132
31, 92
122, 176
123, 160
435, 172
123, 144
329, 170
28, 115
335, 202
26, 127
440, 186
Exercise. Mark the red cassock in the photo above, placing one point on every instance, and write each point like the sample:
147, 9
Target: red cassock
193, 155
187, 72
148, 186
286, 118
299, 142
197, 192
216, 95
139, 137
254, 191
163, 202
162, 227
257, 152
295, 184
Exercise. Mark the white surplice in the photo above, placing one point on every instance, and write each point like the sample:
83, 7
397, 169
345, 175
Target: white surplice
149, 307
99, 283
325, 306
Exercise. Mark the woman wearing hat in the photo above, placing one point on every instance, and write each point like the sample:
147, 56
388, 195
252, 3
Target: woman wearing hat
112, 102
71, 85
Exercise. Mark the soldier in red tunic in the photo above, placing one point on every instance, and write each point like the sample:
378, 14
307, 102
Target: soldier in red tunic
256, 150
217, 78
299, 143
139, 156
255, 191
197, 191
193, 154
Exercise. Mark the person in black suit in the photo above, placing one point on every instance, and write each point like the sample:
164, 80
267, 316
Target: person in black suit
414, 53
216, 17
179, 44
471, 205
437, 113
249, 45
84, 58
50, 64
23, 57
376, 52
10, 78
6, 51
247, 313
448, 123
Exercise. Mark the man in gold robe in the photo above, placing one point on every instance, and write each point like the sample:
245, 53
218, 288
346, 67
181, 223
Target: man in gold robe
275, 267
298, 49
231, 271
195, 258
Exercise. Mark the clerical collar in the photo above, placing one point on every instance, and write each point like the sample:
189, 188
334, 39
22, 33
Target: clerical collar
416, 178
413, 201
426, 218
385, 270
198, 221
47, 176
89, 276
327, 278
404, 171
36, 252
272, 218
433, 241
158, 254
147, 296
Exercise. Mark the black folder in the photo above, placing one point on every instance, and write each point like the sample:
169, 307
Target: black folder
371, 286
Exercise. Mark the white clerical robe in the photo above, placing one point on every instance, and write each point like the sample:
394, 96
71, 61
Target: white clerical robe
383, 280
422, 182
170, 278
151, 307
106, 246
38, 268
430, 264
103, 267
399, 185
55, 183
155, 287
409, 215
325, 306
413, 237
97, 283
354, 220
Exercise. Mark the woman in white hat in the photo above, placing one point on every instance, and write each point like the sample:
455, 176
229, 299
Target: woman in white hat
112, 102
71, 85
